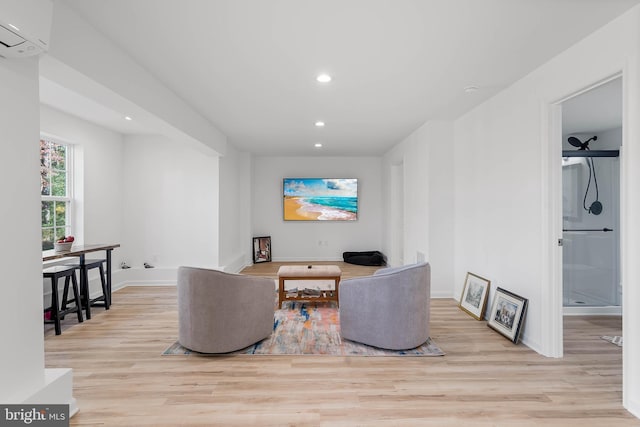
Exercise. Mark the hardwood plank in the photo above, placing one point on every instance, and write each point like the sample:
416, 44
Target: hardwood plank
120, 378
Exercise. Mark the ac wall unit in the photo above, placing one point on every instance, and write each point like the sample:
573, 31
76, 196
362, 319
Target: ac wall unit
25, 27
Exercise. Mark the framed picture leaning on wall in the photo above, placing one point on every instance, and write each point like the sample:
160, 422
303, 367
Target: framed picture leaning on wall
474, 295
261, 249
507, 314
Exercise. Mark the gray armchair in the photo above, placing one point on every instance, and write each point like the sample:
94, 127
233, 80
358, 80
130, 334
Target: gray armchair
220, 312
389, 309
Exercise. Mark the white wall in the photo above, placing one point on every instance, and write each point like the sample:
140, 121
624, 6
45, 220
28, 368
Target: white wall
298, 241
98, 168
159, 173
170, 213
609, 139
441, 206
23, 378
502, 185
22, 368
235, 210
428, 164
98, 183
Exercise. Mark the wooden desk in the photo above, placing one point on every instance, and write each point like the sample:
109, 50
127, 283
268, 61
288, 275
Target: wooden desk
80, 251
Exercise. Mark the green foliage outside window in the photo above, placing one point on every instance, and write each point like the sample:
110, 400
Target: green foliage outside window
54, 189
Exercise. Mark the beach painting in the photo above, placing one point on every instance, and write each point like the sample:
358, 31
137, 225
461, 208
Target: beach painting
320, 199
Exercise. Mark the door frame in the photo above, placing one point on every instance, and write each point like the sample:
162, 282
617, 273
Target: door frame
397, 214
552, 219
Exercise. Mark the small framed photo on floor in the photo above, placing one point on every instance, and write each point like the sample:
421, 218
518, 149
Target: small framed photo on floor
261, 249
507, 314
474, 295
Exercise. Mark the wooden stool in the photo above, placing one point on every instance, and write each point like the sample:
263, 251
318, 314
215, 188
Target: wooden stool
69, 273
87, 302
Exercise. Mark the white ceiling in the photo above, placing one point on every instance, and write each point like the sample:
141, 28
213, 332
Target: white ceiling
249, 66
64, 99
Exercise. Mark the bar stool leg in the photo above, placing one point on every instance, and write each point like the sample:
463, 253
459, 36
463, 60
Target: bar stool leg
76, 296
65, 296
54, 305
105, 289
84, 290
77, 299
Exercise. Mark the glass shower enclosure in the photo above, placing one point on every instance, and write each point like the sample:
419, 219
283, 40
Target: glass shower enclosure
591, 239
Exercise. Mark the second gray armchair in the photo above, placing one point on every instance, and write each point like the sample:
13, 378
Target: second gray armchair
389, 309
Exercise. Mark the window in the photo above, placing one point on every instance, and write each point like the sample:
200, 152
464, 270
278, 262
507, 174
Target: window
55, 178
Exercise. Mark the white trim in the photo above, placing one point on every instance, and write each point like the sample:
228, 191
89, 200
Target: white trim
633, 407
304, 259
236, 265
629, 248
57, 138
75, 204
443, 295
588, 88
592, 311
553, 310
57, 389
143, 277
143, 283
552, 345
69, 199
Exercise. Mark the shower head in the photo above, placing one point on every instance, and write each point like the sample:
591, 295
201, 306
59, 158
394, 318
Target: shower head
595, 208
581, 145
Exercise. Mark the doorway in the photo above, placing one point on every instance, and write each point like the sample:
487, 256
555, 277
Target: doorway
591, 142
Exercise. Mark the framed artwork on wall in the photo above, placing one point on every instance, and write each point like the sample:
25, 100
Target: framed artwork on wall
507, 314
320, 199
261, 249
474, 295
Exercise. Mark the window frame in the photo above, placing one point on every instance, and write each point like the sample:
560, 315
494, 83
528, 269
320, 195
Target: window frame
69, 185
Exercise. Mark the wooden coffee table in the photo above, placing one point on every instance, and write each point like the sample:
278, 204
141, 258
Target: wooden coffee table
308, 272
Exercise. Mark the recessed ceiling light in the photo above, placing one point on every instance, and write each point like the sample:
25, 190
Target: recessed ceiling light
319, 124
471, 89
128, 118
317, 145
323, 78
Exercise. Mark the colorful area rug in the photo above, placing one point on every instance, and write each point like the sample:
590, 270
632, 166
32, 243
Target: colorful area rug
311, 329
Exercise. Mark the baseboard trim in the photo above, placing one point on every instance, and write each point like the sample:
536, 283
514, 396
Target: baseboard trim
305, 259
592, 311
634, 408
236, 265
57, 390
442, 295
169, 276
144, 277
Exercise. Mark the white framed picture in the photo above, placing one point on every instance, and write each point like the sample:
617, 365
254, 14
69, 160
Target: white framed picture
474, 295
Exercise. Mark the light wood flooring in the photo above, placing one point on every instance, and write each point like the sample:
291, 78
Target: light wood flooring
120, 378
